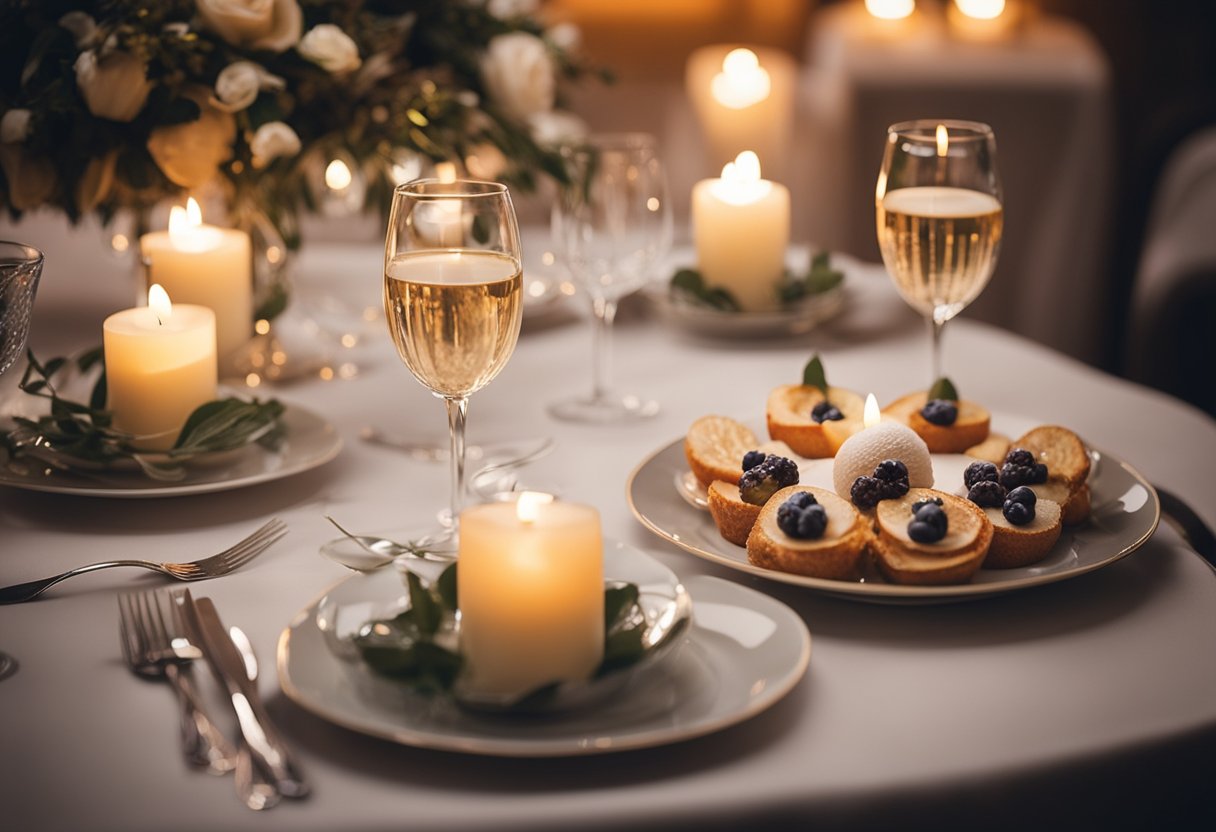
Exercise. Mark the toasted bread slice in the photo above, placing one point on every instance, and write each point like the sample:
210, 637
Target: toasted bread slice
952, 560
731, 513
835, 556
993, 449
1061, 450
1014, 546
714, 447
789, 419
1074, 502
969, 430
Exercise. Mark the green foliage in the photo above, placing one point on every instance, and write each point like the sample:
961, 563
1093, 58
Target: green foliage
820, 278
813, 375
943, 388
690, 285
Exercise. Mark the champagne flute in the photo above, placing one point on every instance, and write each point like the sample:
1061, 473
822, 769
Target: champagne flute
452, 298
612, 224
939, 217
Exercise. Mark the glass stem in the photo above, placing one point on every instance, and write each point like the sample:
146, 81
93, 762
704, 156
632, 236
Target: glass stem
935, 333
458, 408
601, 348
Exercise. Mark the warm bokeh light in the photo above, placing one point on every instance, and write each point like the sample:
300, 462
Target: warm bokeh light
741, 183
527, 507
981, 9
337, 175
742, 81
943, 140
891, 9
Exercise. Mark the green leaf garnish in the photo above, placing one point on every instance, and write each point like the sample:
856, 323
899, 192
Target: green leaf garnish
692, 286
943, 389
814, 376
820, 278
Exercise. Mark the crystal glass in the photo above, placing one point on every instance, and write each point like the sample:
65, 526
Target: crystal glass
939, 217
20, 268
452, 297
612, 225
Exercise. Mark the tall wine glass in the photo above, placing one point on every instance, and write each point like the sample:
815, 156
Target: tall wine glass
939, 216
612, 224
452, 297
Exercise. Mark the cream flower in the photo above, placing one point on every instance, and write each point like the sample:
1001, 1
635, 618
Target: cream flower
272, 140
31, 179
15, 126
565, 36
239, 83
518, 73
97, 181
507, 9
330, 48
190, 153
274, 25
555, 128
114, 87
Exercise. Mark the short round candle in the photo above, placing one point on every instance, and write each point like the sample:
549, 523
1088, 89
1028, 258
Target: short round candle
160, 366
530, 587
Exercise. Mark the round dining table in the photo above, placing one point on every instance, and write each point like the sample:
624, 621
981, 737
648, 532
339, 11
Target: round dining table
1085, 702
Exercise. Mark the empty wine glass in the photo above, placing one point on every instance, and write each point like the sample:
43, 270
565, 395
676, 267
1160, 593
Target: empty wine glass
612, 224
939, 217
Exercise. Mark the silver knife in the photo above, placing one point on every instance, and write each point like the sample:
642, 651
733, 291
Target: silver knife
229, 666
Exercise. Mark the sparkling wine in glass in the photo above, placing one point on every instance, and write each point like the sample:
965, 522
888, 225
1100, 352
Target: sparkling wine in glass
452, 297
939, 216
612, 225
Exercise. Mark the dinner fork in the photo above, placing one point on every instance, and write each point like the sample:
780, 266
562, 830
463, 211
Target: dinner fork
199, 570
155, 645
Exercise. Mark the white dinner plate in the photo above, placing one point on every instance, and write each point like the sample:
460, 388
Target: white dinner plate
744, 652
1125, 512
309, 441
795, 319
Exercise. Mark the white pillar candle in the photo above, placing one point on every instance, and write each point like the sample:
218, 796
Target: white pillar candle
160, 366
530, 585
741, 227
208, 266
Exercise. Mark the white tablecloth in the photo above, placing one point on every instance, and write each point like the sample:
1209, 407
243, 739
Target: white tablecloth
1090, 700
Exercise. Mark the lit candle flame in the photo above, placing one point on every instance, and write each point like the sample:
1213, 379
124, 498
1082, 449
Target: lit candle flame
741, 183
891, 9
183, 222
337, 175
742, 81
871, 416
159, 303
527, 506
981, 9
943, 140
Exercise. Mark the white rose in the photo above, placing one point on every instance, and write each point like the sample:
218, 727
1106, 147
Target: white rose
115, 87
518, 73
565, 36
15, 126
189, 154
82, 26
260, 24
555, 128
31, 179
272, 140
239, 83
330, 48
507, 9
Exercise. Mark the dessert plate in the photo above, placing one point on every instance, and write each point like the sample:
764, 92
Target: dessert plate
744, 652
309, 442
1125, 513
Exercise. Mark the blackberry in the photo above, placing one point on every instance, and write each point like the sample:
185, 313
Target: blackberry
894, 490
1019, 514
980, 472
987, 494
1013, 475
1022, 494
866, 492
801, 519
891, 470
752, 458
801, 499
919, 504
1020, 456
940, 412
764, 480
825, 411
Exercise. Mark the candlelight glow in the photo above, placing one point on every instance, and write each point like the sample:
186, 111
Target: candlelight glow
186, 229
527, 507
337, 175
891, 9
159, 303
742, 81
943, 140
871, 416
445, 172
981, 9
741, 183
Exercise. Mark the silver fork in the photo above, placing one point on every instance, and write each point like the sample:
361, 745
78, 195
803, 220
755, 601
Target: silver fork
199, 570
155, 645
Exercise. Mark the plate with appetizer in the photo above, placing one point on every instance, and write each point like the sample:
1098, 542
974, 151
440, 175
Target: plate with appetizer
930, 499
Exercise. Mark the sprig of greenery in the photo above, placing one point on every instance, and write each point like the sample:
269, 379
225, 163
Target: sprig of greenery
943, 388
813, 375
820, 278
690, 285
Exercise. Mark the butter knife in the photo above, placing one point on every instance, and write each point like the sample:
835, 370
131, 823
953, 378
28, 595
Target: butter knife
265, 745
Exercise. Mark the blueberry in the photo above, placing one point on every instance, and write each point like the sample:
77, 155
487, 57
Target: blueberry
923, 532
764, 480
1020, 456
1019, 514
752, 458
934, 516
866, 492
802, 519
1039, 473
940, 412
987, 494
1022, 494
802, 499
891, 470
919, 504
980, 472
825, 411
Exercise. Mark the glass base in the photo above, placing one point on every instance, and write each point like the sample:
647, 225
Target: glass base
588, 410
293, 347
8, 666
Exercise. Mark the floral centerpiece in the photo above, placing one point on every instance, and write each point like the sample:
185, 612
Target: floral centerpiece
116, 104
